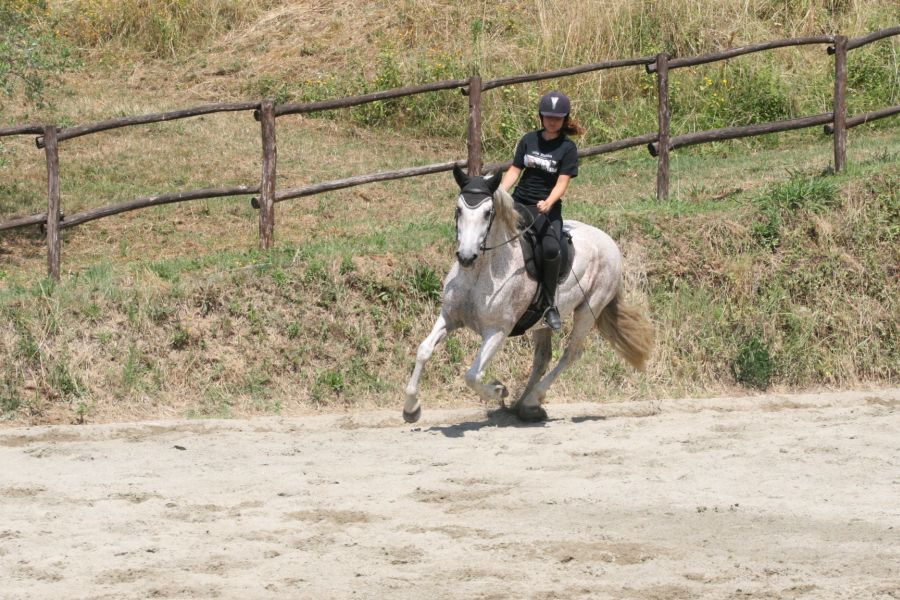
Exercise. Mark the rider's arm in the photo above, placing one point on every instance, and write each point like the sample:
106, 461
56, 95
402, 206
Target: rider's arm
562, 184
510, 178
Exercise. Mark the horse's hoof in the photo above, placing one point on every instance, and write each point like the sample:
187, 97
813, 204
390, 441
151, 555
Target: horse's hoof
531, 413
412, 417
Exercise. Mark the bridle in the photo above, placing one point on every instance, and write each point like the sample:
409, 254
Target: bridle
474, 198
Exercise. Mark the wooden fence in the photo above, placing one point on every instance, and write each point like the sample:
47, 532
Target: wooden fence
660, 143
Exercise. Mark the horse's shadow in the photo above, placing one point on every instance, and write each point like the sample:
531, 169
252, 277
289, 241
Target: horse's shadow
498, 417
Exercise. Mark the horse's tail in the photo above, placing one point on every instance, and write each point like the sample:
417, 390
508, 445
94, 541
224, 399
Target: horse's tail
628, 330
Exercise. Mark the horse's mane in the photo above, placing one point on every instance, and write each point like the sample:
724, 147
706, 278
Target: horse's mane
506, 212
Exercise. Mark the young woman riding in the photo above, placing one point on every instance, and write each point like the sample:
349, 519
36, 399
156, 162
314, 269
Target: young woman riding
546, 160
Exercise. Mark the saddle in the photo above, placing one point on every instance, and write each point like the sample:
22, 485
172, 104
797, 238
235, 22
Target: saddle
531, 252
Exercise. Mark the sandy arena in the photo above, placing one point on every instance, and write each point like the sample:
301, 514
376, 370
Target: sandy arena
761, 497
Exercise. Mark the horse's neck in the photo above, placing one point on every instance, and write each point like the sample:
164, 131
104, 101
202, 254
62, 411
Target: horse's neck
505, 255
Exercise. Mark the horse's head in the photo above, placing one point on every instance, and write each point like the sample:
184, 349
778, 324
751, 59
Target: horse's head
474, 214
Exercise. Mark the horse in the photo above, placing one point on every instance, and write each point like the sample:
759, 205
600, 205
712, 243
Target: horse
488, 289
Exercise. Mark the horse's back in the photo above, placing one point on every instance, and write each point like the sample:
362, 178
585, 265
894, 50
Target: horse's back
584, 235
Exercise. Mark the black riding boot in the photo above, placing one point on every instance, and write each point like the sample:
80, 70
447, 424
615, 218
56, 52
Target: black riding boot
550, 277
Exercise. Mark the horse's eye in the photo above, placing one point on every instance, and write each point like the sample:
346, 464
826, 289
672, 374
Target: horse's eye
458, 211
487, 216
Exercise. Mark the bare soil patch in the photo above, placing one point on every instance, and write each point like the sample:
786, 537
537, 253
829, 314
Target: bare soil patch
761, 497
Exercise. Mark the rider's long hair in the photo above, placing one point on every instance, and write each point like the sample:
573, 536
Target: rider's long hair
570, 125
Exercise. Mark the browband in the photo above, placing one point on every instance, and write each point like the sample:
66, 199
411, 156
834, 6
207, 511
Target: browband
476, 192
475, 199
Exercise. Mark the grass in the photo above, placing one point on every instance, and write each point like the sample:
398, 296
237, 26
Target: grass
192, 322
762, 271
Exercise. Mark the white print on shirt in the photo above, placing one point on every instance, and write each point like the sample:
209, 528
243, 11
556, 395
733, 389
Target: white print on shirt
542, 162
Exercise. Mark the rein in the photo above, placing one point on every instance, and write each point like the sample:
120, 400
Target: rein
512, 239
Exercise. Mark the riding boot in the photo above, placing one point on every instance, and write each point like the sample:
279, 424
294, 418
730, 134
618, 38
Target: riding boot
550, 278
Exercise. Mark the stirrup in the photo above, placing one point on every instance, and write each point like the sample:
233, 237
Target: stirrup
551, 318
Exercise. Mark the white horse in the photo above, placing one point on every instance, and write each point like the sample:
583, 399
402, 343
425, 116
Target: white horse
488, 290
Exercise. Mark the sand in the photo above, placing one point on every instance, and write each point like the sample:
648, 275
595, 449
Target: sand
762, 497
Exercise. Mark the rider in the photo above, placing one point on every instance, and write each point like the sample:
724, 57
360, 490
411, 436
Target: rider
547, 160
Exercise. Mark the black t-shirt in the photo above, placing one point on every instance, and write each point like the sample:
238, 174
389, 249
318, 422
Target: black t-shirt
542, 162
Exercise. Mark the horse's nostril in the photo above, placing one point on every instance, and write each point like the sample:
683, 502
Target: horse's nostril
465, 261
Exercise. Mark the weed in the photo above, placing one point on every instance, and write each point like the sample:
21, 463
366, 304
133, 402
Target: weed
82, 410
767, 232
134, 369
280, 277
273, 88
26, 346
804, 192
347, 266
328, 381
64, 381
181, 338
753, 365
216, 403
165, 270
454, 350
427, 283
256, 383
10, 396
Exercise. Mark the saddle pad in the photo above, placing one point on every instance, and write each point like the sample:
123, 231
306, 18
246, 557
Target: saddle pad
531, 254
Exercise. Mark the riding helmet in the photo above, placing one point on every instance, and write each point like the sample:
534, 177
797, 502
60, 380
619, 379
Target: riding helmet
554, 104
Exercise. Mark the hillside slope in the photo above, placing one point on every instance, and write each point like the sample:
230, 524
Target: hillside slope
764, 271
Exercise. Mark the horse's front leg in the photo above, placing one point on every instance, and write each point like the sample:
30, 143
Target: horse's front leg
412, 410
495, 391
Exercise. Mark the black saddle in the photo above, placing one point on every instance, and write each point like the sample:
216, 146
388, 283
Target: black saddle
531, 252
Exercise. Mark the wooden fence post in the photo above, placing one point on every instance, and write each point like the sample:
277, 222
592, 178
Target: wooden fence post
662, 165
267, 185
840, 102
474, 135
51, 150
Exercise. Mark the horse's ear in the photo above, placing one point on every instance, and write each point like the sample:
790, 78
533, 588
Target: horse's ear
493, 180
461, 178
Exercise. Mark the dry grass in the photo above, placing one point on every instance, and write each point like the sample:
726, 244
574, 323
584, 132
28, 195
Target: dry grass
172, 311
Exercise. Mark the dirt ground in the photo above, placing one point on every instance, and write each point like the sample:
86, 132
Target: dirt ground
761, 497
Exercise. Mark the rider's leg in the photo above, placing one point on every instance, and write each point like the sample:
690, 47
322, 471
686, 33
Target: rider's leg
552, 261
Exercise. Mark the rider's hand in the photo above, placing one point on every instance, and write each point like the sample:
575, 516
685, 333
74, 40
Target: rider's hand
544, 207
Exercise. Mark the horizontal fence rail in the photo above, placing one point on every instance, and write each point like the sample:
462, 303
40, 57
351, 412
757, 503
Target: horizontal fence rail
74, 132
866, 118
659, 143
742, 50
601, 66
308, 107
872, 37
731, 133
115, 209
21, 130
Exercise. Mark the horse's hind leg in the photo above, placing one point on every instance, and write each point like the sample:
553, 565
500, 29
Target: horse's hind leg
529, 408
542, 339
494, 391
412, 410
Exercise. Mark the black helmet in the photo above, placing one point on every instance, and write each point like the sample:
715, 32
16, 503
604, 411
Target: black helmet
554, 104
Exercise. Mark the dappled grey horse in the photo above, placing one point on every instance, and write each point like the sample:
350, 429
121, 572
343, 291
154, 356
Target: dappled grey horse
488, 290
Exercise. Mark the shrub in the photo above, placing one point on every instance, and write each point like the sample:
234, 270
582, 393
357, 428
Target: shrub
30, 50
